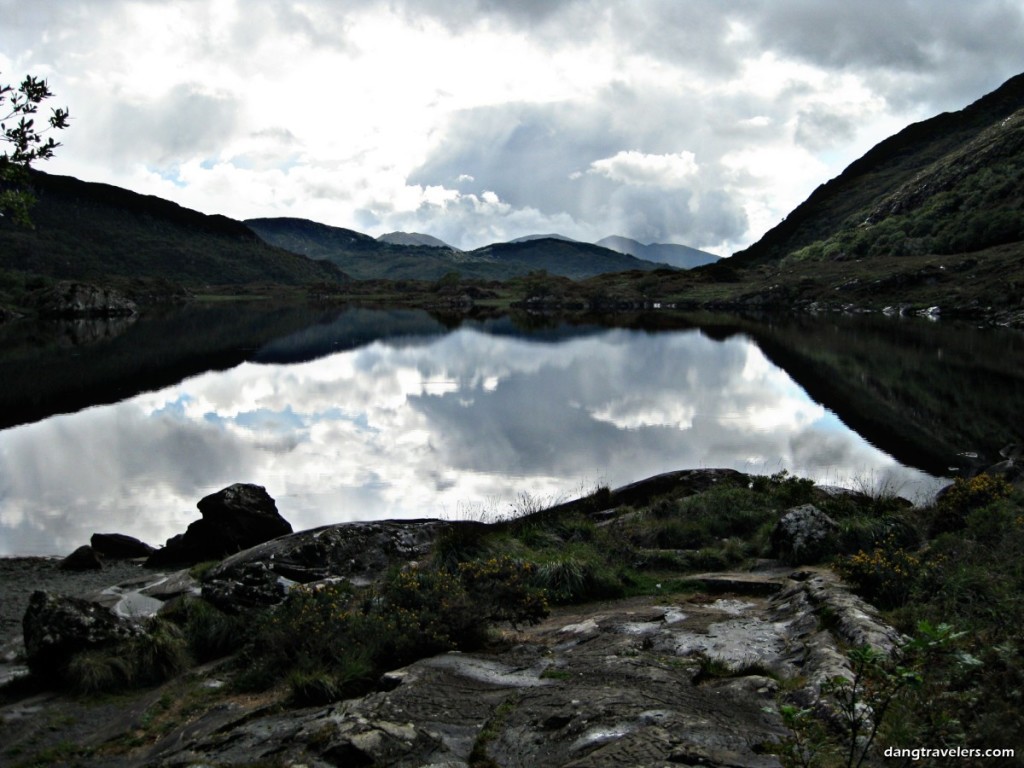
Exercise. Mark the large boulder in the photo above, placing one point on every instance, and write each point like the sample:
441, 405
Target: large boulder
804, 534
81, 300
85, 558
235, 518
56, 628
118, 546
361, 553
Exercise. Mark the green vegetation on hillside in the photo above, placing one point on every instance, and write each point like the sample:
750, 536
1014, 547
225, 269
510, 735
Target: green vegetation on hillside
101, 233
365, 258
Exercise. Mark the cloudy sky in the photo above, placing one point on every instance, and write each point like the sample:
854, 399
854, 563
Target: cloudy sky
692, 121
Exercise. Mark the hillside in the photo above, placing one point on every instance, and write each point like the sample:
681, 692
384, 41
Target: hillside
90, 231
365, 258
566, 258
414, 238
673, 254
947, 185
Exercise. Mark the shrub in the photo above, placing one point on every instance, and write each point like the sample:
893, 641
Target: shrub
98, 671
504, 589
885, 575
209, 632
959, 499
158, 655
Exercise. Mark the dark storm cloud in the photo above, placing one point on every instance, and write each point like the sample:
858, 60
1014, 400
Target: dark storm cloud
932, 52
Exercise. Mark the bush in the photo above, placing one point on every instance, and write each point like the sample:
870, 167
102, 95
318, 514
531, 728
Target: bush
885, 575
209, 632
959, 499
504, 589
98, 671
332, 641
147, 659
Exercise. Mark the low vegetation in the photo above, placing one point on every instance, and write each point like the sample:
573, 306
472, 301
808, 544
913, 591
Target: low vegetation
949, 575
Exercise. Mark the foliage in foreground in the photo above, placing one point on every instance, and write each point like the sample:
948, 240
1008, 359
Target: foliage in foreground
19, 131
956, 564
332, 640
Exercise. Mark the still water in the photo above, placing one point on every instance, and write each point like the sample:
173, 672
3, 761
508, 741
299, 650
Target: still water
457, 424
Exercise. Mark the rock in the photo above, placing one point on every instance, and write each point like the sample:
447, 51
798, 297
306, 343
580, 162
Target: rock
235, 518
118, 546
55, 628
358, 552
803, 534
78, 300
84, 558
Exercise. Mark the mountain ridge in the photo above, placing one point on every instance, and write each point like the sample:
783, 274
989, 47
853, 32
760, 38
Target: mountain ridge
92, 231
673, 254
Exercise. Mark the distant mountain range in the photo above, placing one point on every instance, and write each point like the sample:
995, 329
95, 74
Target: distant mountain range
414, 238
366, 258
91, 231
681, 256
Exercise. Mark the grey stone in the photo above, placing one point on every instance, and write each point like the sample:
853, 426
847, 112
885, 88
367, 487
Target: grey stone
82, 300
55, 628
804, 534
358, 552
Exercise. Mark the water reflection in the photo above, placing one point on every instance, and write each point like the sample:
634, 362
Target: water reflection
447, 425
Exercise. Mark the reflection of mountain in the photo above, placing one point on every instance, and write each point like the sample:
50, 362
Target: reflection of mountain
352, 329
41, 378
920, 392
923, 393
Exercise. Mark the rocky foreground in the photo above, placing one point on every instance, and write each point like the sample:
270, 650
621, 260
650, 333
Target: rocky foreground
693, 676
616, 683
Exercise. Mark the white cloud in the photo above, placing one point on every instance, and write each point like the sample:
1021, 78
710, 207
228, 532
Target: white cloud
373, 111
632, 167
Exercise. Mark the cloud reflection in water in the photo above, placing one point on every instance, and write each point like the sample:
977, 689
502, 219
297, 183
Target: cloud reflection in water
445, 426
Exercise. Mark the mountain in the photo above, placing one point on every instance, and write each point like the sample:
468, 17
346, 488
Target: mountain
365, 258
552, 236
948, 185
414, 238
682, 256
564, 257
89, 231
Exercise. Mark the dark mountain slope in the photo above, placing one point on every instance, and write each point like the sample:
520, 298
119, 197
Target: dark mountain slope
365, 258
849, 200
92, 231
673, 254
566, 258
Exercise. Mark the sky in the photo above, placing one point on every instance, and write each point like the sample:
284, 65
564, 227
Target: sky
697, 122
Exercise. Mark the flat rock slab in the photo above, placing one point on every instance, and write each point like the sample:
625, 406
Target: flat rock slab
623, 682
602, 685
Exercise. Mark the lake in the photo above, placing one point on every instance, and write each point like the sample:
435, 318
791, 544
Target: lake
354, 415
